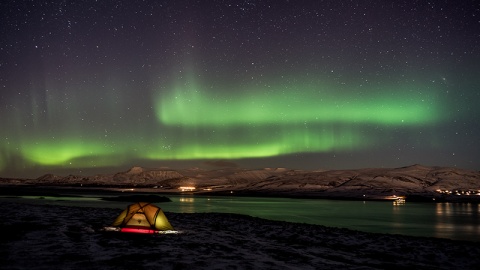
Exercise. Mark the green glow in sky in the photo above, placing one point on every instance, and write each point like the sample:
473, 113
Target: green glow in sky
199, 124
190, 104
183, 83
64, 152
194, 143
256, 142
195, 122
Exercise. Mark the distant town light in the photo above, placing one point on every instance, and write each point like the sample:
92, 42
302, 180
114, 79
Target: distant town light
186, 188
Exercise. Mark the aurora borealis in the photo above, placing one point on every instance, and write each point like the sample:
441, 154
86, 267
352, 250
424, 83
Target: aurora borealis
100, 86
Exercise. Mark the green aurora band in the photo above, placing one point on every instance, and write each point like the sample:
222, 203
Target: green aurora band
190, 105
51, 153
193, 143
193, 123
224, 143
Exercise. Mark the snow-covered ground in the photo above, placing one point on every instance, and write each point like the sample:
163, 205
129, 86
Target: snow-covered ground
60, 237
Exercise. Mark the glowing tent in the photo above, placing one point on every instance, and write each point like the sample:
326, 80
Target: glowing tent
142, 217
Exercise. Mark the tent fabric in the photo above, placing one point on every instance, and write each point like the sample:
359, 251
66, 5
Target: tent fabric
143, 215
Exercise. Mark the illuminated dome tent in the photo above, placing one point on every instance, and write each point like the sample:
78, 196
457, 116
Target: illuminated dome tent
143, 217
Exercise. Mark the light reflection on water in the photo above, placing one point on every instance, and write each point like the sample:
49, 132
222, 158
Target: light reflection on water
455, 218
446, 220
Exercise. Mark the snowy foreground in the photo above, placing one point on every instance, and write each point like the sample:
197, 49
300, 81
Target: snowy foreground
60, 237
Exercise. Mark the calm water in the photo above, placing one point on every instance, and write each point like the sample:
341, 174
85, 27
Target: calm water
447, 220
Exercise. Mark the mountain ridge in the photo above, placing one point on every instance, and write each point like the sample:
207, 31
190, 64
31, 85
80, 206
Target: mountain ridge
431, 182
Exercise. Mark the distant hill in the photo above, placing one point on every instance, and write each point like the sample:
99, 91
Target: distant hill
416, 182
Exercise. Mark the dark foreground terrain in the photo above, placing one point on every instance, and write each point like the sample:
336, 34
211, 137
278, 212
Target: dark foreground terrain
60, 237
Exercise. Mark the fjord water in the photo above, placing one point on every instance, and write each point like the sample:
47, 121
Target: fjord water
460, 221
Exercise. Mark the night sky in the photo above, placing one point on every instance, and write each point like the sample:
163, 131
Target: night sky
100, 86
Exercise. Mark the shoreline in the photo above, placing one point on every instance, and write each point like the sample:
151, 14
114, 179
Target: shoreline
35, 189
213, 241
415, 183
